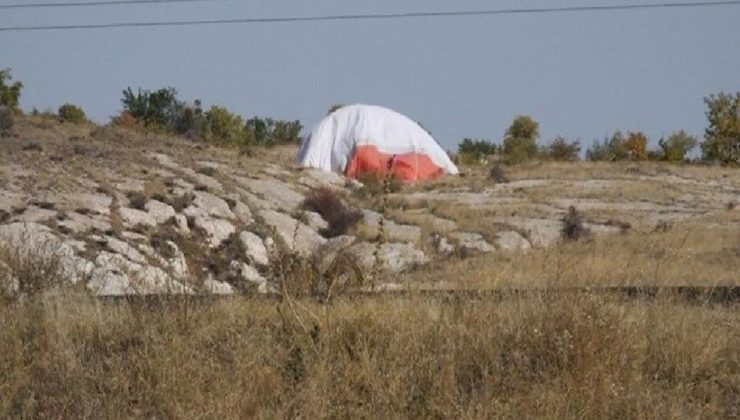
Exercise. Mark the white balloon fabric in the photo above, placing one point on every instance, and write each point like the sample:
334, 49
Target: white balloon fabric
332, 143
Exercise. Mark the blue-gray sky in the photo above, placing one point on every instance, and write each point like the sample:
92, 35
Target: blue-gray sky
581, 75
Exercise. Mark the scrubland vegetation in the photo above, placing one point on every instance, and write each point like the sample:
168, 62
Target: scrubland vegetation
549, 353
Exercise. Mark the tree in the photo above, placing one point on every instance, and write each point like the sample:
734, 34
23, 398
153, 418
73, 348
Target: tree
675, 147
636, 145
520, 140
9, 93
563, 150
722, 136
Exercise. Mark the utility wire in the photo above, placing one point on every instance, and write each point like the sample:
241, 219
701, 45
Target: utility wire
93, 3
375, 16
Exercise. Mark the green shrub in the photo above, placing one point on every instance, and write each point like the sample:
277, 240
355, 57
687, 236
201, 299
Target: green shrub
563, 150
475, 151
520, 141
71, 113
270, 132
222, 126
676, 146
9, 93
611, 149
159, 109
722, 136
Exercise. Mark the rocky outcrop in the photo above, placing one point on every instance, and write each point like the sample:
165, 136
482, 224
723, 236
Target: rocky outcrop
295, 235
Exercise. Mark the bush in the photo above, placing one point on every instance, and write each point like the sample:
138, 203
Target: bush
573, 228
520, 141
222, 126
9, 93
330, 206
271, 132
636, 145
71, 113
722, 136
474, 151
611, 149
563, 150
159, 109
676, 146
498, 175
6, 118
374, 184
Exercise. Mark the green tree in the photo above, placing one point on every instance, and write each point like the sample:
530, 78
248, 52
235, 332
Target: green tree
722, 136
10, 93
520, 141
675, 147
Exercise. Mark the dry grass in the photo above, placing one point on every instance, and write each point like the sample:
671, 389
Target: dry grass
548, 356
683, 255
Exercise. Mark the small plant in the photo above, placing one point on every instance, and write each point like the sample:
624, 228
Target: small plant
330, 206
72, 114
498, 175
663, 226
6, 118
137, 200
32, 146
374, 184
573, 228
29, 268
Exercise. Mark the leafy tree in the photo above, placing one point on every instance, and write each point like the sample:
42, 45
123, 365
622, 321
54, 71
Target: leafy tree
563, 150
520, 141
9, 93
71, 113
722, 136
636, 146
675, 147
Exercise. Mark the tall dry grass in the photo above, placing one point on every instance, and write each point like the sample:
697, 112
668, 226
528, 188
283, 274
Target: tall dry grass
550, 356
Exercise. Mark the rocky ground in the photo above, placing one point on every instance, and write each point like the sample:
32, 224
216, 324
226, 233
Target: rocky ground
127, 212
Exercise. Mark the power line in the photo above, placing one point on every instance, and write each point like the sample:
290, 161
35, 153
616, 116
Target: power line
93, 3
375, 16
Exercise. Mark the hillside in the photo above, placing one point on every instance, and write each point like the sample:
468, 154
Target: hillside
89, 211
130, 212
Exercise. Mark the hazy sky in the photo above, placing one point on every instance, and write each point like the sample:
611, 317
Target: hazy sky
581, 75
